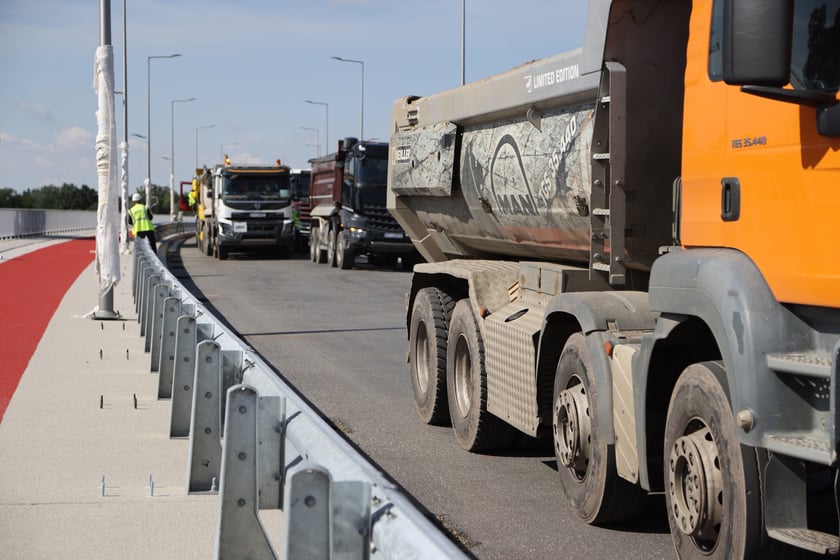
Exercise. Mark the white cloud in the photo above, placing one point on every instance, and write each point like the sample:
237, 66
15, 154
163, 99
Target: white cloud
35, 109
73, 137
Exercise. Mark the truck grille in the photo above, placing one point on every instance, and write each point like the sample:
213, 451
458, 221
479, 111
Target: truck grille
378, 218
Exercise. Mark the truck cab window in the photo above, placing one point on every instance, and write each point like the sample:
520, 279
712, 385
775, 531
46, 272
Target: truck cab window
716, 43
350, 171
373, 169
815, 64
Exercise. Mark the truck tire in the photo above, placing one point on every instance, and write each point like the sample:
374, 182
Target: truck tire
712, 487
428, 332
313, 245
331, 243
343, 256
585, 462
208, 248
466, 386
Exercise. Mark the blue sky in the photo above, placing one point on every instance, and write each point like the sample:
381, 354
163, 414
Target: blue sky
250, 64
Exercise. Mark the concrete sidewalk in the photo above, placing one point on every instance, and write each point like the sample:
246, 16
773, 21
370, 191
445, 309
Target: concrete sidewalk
57, 443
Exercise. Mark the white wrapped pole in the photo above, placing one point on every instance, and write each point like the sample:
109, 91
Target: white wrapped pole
107, 247
124, 190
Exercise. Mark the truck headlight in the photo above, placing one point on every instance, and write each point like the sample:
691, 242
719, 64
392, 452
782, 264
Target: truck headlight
226, 228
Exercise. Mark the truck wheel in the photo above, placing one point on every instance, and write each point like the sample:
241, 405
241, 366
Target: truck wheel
331, 242
208, 248
585, 462
430, 318
314, 238
466, 386
712, 487
343, 256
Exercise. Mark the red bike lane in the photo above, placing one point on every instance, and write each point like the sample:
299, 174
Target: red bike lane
31, 288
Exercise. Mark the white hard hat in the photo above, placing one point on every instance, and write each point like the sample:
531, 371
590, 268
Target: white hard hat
136, 197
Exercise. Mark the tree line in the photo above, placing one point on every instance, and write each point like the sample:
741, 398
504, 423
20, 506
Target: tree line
70, 197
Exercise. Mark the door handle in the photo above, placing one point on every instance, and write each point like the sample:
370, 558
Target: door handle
730, 199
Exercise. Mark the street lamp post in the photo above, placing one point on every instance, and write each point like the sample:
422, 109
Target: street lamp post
149, 122
196, 140
327, 107
222, 150
172, 207
362, 112
317, 138
124, 145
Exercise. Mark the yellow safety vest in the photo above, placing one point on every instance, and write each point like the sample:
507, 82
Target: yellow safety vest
140, 219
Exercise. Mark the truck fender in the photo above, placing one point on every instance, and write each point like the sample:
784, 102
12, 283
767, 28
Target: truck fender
594, 314
715, 304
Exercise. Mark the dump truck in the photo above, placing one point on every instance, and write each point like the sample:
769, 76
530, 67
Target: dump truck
348, 216
629, 252
244, 207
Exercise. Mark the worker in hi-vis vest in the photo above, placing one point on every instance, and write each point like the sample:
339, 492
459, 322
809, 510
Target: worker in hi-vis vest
140, 217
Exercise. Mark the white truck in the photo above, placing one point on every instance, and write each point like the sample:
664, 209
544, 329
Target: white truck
244, 207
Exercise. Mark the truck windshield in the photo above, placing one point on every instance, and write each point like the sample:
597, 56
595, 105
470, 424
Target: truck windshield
815, 60
256, 187
300, 185
372, 170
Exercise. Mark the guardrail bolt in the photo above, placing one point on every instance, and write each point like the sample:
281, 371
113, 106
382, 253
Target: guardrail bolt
123, 326
100, 353
101, 326
151, 486
101, 401
135, 401
102, 486
213, 487
241, 455
126, 353
240, 502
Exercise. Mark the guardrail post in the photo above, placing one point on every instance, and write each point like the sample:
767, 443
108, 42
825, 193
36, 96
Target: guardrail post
231, 375
188, 336
351, 520
166, 366
141, 301
307, 514
271, 453
146, 311
162, 291
204, 424
240, 533
135, 269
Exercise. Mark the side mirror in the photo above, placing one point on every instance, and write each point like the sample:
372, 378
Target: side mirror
757, 42
828, 120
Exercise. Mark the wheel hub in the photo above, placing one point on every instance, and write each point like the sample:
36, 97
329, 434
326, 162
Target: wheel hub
463, 377
572, 428
696, 485
421, 357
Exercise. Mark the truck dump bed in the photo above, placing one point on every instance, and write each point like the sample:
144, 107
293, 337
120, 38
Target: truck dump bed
505, 167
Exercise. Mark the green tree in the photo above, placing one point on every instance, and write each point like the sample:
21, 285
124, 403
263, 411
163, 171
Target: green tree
10, 198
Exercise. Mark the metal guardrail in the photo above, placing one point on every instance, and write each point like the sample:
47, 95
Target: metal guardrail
24, 222
253, 440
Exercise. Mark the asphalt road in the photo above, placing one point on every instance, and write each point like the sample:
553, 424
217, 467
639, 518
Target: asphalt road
339, 337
